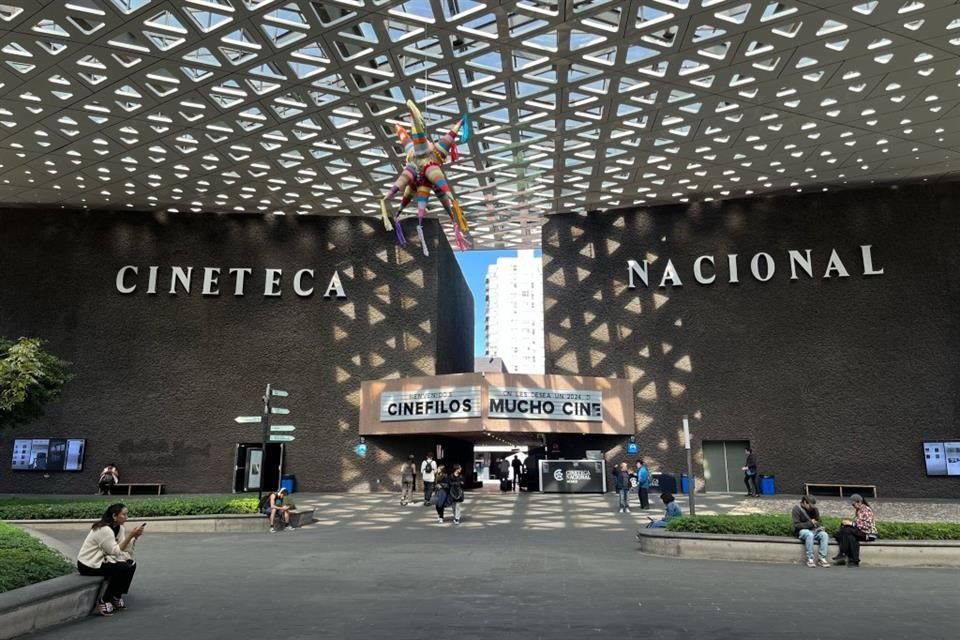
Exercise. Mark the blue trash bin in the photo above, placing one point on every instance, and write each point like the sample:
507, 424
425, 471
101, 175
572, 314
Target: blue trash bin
684, 483
767, 486
288, 482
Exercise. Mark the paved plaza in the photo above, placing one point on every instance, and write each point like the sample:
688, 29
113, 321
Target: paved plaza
520, 566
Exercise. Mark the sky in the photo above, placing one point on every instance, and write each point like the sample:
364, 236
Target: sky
474, 266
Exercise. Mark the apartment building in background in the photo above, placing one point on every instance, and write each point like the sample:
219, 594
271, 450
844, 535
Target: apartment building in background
514, 316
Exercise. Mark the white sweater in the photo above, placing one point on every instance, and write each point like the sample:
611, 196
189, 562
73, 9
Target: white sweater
101, 546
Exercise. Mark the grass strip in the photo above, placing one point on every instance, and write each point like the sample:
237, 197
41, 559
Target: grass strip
782, 525
24, 560
92, 509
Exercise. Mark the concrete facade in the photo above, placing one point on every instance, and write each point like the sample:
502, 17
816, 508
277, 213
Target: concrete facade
160, 377
831, 379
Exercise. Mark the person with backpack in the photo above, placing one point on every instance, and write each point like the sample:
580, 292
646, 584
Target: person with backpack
407, 472
108, 477
272, 505
428, 472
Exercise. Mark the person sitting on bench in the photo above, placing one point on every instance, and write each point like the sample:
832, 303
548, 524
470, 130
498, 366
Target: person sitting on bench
807, 526
276, 506
862, 528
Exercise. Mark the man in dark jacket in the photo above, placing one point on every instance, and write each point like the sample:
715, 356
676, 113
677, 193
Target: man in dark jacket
621, 482
807, 526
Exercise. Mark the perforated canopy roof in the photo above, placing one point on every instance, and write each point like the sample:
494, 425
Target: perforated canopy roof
288, 105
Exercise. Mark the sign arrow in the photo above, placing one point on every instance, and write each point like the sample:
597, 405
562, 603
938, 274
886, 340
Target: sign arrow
280, 438
279, 410
282, 427
279, 393
244, 419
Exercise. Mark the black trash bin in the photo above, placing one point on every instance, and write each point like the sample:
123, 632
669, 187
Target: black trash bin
668, 483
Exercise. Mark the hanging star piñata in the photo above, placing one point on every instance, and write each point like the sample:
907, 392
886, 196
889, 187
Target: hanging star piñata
423, 174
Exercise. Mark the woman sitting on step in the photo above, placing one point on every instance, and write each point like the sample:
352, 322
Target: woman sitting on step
108, 551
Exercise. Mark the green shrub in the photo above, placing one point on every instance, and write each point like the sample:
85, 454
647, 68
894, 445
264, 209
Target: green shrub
25, 560
35, 509
782, 525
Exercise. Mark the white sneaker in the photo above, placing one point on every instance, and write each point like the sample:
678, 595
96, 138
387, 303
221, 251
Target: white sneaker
811, 562
439, 520
273, 530
628, 509
621, 510
824, 562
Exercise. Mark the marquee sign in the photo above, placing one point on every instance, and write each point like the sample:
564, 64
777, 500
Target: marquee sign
546, 404
430, 404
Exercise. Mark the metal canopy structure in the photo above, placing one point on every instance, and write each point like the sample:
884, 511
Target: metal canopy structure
287, 106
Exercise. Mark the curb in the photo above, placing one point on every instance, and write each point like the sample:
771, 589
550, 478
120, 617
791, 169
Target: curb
711, 546
46, 604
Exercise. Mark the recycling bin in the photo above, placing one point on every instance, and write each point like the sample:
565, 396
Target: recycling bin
288, 482
767, 486
684, 483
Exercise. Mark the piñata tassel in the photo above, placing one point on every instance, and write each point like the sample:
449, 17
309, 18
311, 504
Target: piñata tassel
460, 219
454, 153
465, 130
402, 239
384, 216
458, 235
423, 242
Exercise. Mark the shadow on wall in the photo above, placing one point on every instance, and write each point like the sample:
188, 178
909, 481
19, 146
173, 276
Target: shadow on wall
614, 331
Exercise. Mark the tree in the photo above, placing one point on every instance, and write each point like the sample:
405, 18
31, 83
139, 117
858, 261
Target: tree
30, 379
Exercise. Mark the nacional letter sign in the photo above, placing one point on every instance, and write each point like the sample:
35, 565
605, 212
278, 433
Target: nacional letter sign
430, 404
573, 476
546, 404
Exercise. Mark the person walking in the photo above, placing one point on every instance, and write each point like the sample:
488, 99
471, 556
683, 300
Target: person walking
863, 528
643, 484
807, 527
750, 473
442, 488
108, 551
517, 466
428, 473
621, 483
456, 493
407, 473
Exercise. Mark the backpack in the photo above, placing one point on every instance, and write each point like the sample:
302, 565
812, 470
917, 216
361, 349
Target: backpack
428, 468
456, 492
107, 478
264, 505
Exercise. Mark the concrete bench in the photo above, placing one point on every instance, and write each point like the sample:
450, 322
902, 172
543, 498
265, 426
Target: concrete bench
711, 546
46, 604
130, 486
298, 517
850, 488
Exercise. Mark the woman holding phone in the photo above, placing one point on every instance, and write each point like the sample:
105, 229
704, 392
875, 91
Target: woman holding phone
108, 551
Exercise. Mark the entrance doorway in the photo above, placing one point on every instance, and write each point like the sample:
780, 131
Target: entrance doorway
258, 467
723, 465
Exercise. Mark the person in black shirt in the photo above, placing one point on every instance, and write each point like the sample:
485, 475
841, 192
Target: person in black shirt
750, 473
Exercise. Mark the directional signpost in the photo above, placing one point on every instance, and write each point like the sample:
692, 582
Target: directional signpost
271, 433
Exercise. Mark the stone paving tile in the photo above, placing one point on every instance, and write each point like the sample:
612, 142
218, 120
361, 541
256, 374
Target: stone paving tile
537, 511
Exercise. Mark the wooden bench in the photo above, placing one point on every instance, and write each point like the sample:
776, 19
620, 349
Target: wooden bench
851, 488
130, 486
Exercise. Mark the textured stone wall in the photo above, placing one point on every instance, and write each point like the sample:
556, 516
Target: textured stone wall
831, 379
159, 378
